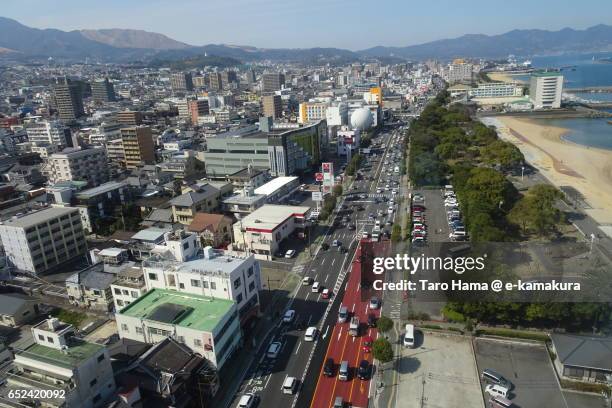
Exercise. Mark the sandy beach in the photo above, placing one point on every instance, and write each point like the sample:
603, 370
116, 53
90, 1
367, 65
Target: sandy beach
504, 77
588, 170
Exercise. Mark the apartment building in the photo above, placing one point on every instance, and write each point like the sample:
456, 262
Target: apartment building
102, 91
217, 275
68, 100
75, 164
49, 133
495, 90
312, 111
43, 240
129, 118
181, 81
57, 360
545, 90
138, 147
128, 286
272, 106
208, 326
272, 81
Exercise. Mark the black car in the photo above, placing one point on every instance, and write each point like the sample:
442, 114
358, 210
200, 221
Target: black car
363, 372
325, 246
328, 368
352, 227
371, 320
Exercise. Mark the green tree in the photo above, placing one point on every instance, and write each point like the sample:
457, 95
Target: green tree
337, 191
536, 210
382, 350
384, 324
396, 233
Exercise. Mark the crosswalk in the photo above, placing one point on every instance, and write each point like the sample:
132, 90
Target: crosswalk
297, 269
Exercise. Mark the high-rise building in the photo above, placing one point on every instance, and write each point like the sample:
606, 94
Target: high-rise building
76, 164
228, 77
138, 146
43, 240
49, 132
102, 90
68, 100
197, 108
199, 81
129, 118
181, 81
272, 81
272, 106
250, 76
215, 81
458, 71
545, 90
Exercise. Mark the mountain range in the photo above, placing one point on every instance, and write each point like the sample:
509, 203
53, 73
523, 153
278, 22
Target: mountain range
123, 45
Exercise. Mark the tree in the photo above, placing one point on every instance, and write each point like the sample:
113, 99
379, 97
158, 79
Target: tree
384, 324
396, 233
536, 210
337, 191
382, 350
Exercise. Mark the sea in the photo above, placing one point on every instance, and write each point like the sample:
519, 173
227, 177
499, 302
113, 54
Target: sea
579, 71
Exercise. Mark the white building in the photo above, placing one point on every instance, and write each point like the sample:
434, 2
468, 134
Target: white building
49, 132
496, 90
348, 142
216, 275
61, 362
261, 232
545, 90
78, 164
43, 240
180, 244
208, 326
278, 189
128, 286
104, 133
337, 115
458, 71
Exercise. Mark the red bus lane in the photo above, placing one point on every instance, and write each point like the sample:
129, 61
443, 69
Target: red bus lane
345, 347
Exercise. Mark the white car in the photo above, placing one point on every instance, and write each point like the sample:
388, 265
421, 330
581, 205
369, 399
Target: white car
289, 316
311, 334
247, 401
290, 253
274, 349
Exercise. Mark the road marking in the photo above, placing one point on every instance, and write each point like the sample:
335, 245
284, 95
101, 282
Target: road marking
340, 333
326, 330
309, 319
353, 310
333, 260
298, 347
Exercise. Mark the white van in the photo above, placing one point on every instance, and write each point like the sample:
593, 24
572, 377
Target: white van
289, 385
497, 390
315, 287
311, 334
246, 401
409, 336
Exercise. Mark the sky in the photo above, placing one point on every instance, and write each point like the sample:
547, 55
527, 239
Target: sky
355, 25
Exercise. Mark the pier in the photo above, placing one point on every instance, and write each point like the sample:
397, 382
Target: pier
589, 89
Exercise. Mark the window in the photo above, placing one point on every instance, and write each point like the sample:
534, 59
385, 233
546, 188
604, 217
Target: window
181, 339
119, 302
195, 283
251, 286
126, 292
213, 285
205, 284
197, 342
93, 382
182, 285
250, 271
124, 327
153, 276
117, 291
186, 245
41, 337
239, 298
134, 294
100, 358
139, 330
237, 283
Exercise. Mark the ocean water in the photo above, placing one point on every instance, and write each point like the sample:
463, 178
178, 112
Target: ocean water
585, 131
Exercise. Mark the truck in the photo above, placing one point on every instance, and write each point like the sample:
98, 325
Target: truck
354, 326
376, 233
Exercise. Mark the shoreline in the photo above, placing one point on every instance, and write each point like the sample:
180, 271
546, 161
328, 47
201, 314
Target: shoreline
505, 77
563, 163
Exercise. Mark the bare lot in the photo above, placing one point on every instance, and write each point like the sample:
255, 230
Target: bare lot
439, 372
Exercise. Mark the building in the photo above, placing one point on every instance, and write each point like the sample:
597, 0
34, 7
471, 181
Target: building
91, 288
49, 133
208, 326
337, 115
178, 244
278, 189
128, 286
272, 106
348, 142
57, 360
197, 109
102, 90
496, 90
545, 90
215, 81
261, 232
247, 177
104, 133
213, 229
114, 152
138, 147
271, 82
312, 111
129, 118
181, 81
199, 81
458, 71
582, 358
43, 240
75, 164
68, 100
243, 203
215, 275
285, 151
203, 198
229, 77
17, 309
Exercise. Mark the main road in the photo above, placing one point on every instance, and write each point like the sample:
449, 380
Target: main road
299, 358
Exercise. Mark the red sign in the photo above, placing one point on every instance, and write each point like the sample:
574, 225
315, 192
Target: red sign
319, 176
326, 167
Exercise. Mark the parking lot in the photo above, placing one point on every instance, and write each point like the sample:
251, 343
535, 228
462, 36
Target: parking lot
439, 372
527, 367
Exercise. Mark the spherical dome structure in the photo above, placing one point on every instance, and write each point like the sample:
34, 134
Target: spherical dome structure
361, 119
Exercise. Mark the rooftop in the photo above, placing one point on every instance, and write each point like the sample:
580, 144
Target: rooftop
182, 309
547, 74
274, 184
190, 198
270, 216
219, 263
101, 189
150, 234
583, 351
39, 217
206, 221
77, 352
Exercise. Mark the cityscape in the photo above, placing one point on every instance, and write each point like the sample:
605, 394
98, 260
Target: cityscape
232, 226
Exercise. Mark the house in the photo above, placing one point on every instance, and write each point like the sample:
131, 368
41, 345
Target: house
90, 288
213, 229
16, 309
202, 198
582, 358
128, 286
168, 374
